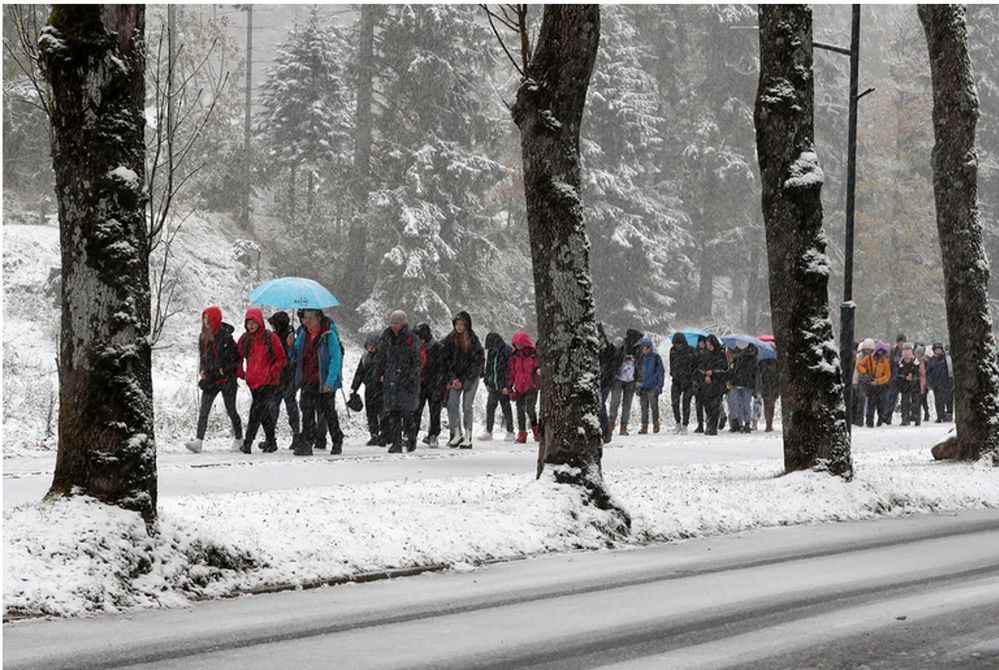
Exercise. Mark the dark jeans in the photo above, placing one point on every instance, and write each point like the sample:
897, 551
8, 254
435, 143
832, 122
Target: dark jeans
943, 399
526, 403
699, 407
496, 397
604, 426
648, 399
911, 411
373, 408
712, 411
678, 394
320, 405
436, 405
228, 391
288, 395
769, 405
399, 425
261, 412
876, 403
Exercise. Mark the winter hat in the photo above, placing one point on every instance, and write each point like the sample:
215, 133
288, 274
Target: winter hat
522, 339
372, 340
645, 342
920, 350
867, 344
398, 316
423, 331
900, 338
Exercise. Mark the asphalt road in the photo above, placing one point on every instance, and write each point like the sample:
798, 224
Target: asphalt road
921, 592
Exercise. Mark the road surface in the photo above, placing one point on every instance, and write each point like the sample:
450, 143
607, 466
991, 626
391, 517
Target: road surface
920, 592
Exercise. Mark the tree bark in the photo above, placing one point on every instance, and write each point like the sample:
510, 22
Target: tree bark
965, 263
548, 111
94, 58
355, 277
815, 431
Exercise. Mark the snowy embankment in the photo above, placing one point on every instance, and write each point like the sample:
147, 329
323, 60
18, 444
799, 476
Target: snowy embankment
75, 556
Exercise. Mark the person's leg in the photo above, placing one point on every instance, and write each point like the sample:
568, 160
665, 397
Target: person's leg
531, 405
435, 416
207, 398
229, 392
291, 407
626, 401
507, 408
769, 404
372, 409
393, 428
492, 399
675, 395
643, 403
699, 410
712, 405
328, 408
521, 414
271, 398
615, 400
654, 399
688, 394
469, 386
454, 411
257, 407
869, 394
949, 403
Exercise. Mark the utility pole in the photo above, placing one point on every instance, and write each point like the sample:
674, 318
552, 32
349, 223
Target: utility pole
247, 120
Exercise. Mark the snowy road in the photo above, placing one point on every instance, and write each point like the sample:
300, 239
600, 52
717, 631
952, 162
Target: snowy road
220, 471
894, 593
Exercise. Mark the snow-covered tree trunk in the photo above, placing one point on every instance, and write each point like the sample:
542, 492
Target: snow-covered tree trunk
355, 277
94, 58
965, 264
548, 111
815, 432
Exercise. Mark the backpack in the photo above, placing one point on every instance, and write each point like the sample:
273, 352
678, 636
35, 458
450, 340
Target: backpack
267, 339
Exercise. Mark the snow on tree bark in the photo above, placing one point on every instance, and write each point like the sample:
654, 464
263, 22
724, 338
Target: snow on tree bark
815, 434
548, 111
94, 59
965, 263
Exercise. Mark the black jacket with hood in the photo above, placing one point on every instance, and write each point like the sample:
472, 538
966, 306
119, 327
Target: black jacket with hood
433, 378
497, 357
464, 363
366, 373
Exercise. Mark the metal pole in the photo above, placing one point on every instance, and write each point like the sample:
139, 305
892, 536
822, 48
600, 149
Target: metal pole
245, 219
848, 308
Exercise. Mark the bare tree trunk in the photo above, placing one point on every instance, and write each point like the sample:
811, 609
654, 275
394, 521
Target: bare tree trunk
965, 263
94, 58
292, 193
815, 431
355, 277
548, 111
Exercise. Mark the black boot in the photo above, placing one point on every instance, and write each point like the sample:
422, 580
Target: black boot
246, 448
700, 428
337, 447
375, 441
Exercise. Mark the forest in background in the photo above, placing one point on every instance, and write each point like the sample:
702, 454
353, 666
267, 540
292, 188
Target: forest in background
671, 184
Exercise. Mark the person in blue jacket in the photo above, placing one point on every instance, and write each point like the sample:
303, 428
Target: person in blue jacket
650, 384
318, 359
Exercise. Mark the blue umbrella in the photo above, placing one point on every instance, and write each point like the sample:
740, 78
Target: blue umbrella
764, 350
293, 293
691, 336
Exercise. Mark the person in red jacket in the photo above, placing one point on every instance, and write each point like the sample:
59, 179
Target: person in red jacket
523, 383
261, 359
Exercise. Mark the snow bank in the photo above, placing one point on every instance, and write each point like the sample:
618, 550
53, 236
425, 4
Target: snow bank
73, 557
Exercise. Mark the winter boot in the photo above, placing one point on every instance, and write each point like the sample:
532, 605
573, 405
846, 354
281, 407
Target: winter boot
337, 447
411, 443
611, 425
375, 441
721, 424
269, 448
522, 437
466, 442
245, 448
194, 446
655, 426
456, 440
426, 439
537, 433
510, 436
303, 448
395, 449
486, 437
237, 445
700, 428
677, 429
769, 428
644, 430
747, 429
624, 429
683, 429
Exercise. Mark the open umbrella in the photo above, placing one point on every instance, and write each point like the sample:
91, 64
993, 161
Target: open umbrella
769, 339
763, 349
293, 293
690, 335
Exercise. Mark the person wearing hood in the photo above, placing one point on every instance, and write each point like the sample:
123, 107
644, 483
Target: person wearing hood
700, 356
623, 391
919, 351
433, 383
398, 366
909, 385
768, 386
280, 322
650, 385
494, 376
465, 360
318, 357
940, 381
608, 370
742, 382
682, 364
261, 360
713, 370
874, 374
367, 375
523, 382
217, 361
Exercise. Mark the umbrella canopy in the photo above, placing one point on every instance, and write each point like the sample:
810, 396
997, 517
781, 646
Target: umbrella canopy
690, 335
293, 293
769, 339
763, 349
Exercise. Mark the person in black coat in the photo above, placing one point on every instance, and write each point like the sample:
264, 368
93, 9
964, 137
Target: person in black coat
433, 382
367, 374
940, 381
909, 386
682, 367
217, 361
741, 384
609, 363
465, 360
713, 372
494, 376
768, 386
281, 324
397, 366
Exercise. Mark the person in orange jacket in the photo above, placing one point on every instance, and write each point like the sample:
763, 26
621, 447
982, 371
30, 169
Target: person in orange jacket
874, 372
261, 360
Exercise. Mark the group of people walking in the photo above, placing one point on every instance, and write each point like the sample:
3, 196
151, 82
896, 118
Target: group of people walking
704, 374
903, 376
403, 371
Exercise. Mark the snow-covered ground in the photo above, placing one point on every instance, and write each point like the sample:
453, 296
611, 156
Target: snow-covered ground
272, 519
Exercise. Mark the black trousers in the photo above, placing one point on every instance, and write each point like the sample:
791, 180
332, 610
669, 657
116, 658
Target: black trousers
944, 401
436, 405
494, 398
678, 394
526, 404
373, 408
261, 412
320, 405
911, 411
712, 411
876, 403
400, 428
288, 394
699, 407
228, 391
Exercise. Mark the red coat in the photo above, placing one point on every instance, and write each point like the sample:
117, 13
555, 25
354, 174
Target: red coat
263, 364
522, 371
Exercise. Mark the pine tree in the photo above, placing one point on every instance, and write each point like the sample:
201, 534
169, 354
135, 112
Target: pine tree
106, 443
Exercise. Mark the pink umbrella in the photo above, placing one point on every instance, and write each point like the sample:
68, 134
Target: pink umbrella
766, 338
